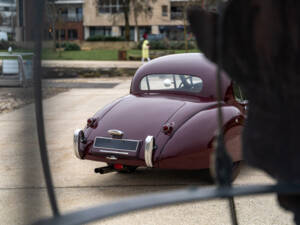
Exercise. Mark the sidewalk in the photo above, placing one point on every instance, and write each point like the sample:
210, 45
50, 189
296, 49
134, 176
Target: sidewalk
90, 64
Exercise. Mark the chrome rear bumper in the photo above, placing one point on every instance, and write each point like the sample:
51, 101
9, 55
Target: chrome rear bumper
149, 146
76, 142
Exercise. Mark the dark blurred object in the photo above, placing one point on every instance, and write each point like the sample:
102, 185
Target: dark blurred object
122, 55
145, 36
4, 45
260, 51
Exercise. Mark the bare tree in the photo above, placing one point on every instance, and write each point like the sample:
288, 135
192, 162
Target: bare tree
186, 5
1, 19
141, 7
137, 7
53, 15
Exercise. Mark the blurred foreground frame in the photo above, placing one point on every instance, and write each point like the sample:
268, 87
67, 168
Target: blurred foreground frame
260, 51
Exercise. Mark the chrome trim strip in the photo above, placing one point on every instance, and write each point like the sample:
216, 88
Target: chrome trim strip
149, 145
112, 157
138, 143
76, 143
114, 152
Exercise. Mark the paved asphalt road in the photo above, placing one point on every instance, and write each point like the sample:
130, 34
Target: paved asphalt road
23, 196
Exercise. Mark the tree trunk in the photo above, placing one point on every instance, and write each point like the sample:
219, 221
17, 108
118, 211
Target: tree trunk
54, 36
137, 27
60, 26
126, 19
185, 27
261, 51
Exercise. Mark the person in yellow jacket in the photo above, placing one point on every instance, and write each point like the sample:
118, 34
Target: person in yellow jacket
145, 49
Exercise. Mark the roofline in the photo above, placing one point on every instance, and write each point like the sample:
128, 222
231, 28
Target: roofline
194, 64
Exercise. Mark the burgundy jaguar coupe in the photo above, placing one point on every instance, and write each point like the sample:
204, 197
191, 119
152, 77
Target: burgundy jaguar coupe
169, 119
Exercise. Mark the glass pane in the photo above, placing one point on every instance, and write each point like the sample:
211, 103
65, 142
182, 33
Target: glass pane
171, 82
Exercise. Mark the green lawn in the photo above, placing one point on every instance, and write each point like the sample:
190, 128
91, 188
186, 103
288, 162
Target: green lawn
15, 50
49, 54
81, 55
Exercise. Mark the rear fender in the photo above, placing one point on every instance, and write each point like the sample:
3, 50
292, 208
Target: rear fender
191, 144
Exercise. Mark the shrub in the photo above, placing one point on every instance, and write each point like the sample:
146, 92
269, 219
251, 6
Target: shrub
62, 45
71, 47
159, 45
4, 45
163, 45
180, 45
105, 38
155, 45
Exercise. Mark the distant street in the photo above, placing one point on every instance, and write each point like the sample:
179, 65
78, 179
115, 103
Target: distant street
23, 196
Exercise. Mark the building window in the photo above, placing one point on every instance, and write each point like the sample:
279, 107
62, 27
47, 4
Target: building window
62, 35
72, 34
79, 14
177, 11
164, 10
64, 12
173, 33
131, 33
144, 30
110, 6
100, 31
20, 13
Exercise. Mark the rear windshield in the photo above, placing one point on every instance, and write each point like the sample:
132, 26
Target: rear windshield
171, 82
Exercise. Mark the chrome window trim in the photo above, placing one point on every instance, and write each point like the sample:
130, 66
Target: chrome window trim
149, 145
138, 143
76, 143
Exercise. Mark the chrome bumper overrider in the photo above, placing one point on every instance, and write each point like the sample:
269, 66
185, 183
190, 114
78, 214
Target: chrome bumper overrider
149, 146
76, 142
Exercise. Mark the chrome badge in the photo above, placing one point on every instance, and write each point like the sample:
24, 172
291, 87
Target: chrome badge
116, 133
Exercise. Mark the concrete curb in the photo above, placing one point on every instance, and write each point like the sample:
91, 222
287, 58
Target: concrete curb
91, 64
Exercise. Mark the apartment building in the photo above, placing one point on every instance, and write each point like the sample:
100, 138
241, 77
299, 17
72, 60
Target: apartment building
70, 19
107, 19
80, 19
69, 23
8, 17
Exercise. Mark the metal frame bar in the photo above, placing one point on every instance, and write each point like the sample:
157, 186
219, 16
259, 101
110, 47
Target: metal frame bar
192, 194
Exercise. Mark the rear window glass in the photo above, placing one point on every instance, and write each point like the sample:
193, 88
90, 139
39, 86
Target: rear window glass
171, 82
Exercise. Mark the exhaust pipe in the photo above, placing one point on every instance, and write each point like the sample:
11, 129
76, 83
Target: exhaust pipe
106, 169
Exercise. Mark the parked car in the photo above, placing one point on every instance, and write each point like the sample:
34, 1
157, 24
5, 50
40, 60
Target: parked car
3, 36
169, 119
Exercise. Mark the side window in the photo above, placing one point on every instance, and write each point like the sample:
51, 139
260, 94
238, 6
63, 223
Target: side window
238, 93
171, 82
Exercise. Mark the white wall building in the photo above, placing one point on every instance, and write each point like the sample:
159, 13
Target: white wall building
8, 17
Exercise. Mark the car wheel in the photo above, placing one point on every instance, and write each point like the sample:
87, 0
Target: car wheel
236, 168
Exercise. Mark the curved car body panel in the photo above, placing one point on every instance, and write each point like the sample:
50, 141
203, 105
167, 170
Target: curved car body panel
194, 139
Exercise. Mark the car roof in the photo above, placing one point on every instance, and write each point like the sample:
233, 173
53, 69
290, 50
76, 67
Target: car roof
185, 64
